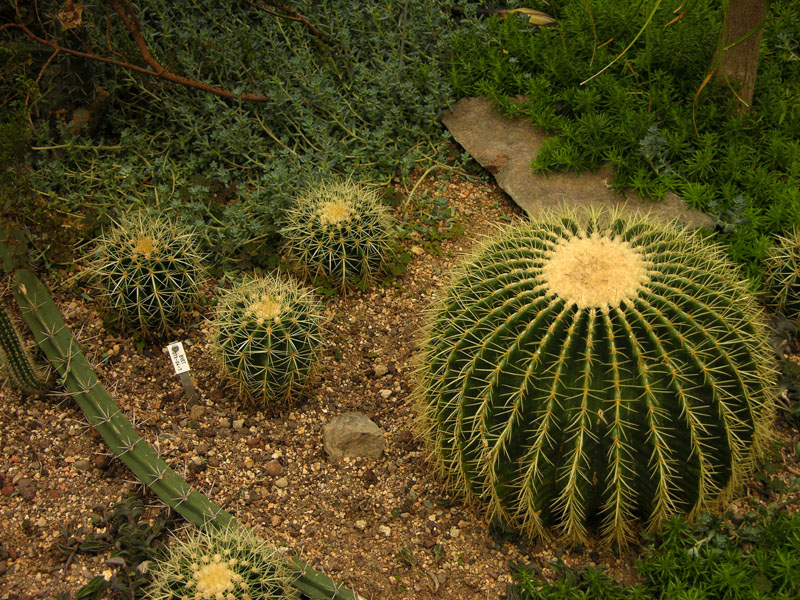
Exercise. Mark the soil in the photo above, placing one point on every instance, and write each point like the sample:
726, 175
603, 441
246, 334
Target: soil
388, 528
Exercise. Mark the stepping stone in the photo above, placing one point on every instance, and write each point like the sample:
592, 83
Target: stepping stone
506, 149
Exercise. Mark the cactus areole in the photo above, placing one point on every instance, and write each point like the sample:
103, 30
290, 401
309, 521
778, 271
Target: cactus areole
595, 372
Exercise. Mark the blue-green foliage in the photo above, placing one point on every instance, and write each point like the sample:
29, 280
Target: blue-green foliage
229, 167
637, 115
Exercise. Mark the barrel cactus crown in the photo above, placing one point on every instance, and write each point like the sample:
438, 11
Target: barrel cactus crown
148, 271
588, 373
339, 233
267, 335
783, 274
231, 563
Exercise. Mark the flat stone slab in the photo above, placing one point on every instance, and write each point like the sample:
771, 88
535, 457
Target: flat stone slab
506, 149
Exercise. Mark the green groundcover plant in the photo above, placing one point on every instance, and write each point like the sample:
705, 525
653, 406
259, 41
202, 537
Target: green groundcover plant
637, 115
751, 557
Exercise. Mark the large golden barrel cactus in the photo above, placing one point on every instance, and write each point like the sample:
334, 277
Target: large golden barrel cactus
595, 371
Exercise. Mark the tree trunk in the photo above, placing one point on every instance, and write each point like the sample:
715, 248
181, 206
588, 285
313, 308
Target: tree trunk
739, 63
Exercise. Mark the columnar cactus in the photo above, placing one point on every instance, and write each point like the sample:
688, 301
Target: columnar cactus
339, 233
267, 334
15, 361
595, 371
148, 271
782, 275
231, 563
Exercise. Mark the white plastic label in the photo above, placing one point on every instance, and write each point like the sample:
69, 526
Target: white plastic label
178, 356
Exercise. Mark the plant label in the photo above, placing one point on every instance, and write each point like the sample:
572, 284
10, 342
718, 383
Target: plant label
178, 356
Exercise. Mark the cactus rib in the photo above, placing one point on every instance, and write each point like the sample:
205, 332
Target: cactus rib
62, 350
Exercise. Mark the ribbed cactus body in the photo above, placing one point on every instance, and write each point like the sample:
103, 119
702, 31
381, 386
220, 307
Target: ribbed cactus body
782, 274
267, 334
15, 361
147, 270
595, 371
230, 563
339, 233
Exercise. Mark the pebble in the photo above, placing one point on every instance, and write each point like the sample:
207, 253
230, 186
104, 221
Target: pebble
385, 393
282, 483
380, 370
238, 424
213, 461
275, 521
385, 530
82, 464
202, 448
41, 522
197, 412
225, 422
417, 250
361, 524
273, 468
197, 460
249, 462
26, 487
454, 532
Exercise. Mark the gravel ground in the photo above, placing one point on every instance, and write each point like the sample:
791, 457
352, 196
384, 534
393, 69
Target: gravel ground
386, 527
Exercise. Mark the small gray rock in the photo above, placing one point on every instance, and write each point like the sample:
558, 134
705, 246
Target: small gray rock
282, 483
354, 435
26, 488
82, 464
380, 370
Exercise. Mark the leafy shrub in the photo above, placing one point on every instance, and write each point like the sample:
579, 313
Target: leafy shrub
638, 115
340, 233
366, 101
267, 334
595, 371
148, 271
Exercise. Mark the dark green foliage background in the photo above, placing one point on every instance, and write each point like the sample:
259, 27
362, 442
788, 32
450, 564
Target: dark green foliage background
744, 171
229, 167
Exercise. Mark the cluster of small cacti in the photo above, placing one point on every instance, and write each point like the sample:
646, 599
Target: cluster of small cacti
782, 276
267, 335
231, 563
64, 354
148, 271
595, 372
339, 233
16, 363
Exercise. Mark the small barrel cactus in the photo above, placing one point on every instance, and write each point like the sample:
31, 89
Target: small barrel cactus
593, 372
782, 275
267, 334
231, 563
340, 234
148, 271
